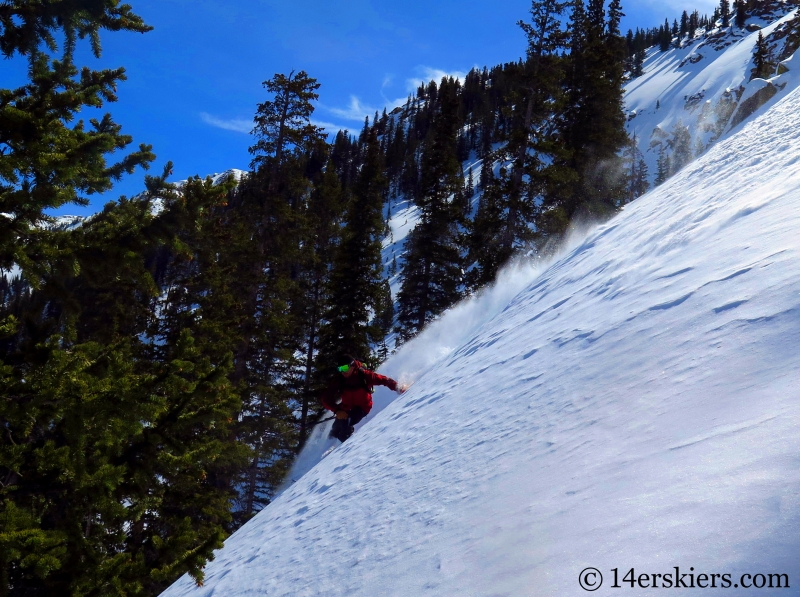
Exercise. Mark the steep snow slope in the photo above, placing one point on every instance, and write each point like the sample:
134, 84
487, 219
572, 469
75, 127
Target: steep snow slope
635, 405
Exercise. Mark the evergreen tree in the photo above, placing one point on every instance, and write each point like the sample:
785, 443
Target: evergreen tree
641, 184
740, 10
664, 39
505, 224
694, 23
274, 200
282, 124
725, 12
431, 278
664, 166
681, 144
699, 147
115, 448
356, 280
384, 319
638, 64
325, 213
46, 162
594, 122
487, 172
762, 59
636, 170
137, 491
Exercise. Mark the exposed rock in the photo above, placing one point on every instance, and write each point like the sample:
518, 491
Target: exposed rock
693, 100
753, 103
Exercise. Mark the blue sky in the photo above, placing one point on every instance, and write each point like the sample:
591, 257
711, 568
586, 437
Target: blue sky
193, 82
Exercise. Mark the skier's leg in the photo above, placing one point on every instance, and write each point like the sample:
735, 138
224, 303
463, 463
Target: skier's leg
356, 415
340, 429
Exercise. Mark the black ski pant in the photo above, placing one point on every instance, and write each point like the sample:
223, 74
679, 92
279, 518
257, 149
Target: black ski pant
343, 428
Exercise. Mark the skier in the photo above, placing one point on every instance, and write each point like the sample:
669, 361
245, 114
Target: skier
349, 395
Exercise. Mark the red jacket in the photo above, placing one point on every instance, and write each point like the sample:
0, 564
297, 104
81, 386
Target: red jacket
354, 390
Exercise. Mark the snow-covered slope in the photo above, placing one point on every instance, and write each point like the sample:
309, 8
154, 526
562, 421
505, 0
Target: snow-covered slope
634, 406
705, 87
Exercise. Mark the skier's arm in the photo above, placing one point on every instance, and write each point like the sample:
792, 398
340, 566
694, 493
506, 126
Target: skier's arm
376, 379
328, 398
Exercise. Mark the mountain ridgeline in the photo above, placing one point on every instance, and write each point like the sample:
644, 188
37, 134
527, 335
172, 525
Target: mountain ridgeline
160, 361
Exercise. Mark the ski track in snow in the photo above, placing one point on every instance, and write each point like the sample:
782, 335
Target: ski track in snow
634, 404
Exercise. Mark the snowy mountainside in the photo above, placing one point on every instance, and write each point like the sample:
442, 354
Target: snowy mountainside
703, 87
220, 177
635, 405
69, 222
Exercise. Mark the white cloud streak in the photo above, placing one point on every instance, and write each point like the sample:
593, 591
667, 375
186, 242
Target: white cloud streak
233, 124
355, 111
330, 128
677, 6
246, 126
426, 74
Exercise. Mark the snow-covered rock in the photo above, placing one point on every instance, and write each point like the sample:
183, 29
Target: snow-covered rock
705, 86
68, 222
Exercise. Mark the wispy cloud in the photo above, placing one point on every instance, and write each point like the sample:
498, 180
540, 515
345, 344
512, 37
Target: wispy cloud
246, 126
330, 128
390, 104
232, 124
426, 74
679, 5
355, 111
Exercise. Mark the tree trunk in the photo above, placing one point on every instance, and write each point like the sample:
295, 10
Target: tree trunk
312, 338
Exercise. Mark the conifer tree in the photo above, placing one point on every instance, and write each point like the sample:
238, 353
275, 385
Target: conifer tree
103, 491
638, 64
681, 144
505, 224
138, 490
740, 10
487, 172
274, 200
694, 23
282, 124
641, 183
699, 147
636, 170
45, 162
431, 278
663, 164
356, 280
725, 12
762, 59
594, 122
325, 212
664, 38
384, 319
